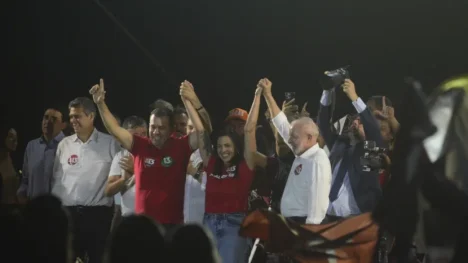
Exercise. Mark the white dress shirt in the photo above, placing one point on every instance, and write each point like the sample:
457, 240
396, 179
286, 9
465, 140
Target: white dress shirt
127, 200
81, 169
194, 200
309, 182
345, 204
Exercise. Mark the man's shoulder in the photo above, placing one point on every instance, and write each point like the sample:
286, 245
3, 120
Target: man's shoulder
33, 142
68, 139
120, 154
106, 137
320, 156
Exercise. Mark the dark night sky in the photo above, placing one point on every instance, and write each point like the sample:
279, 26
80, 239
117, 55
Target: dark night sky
58, 49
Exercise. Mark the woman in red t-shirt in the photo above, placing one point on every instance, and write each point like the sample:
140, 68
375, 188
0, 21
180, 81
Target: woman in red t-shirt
229, 174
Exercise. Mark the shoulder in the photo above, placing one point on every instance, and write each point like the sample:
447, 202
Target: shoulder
66, 140
243, 166
119, 155
181, 144
139, 141
320, 158
33, 143
104, 137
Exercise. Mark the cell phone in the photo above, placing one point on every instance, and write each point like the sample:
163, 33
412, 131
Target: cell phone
289, 96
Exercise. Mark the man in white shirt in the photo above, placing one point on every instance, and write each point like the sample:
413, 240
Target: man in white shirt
305, 197
121, 179
81, 168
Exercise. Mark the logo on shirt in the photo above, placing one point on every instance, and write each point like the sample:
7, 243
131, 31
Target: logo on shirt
167, 161
231, 172
149, 162
73, 159
298, 169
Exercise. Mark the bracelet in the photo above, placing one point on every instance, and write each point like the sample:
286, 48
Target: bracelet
201, 107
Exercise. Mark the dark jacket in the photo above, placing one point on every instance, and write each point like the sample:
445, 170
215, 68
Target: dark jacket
365, 185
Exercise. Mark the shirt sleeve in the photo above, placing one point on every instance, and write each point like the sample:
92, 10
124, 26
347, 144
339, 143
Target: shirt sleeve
23, 189
115, 148
203, 181
325, 100
319, 189
283, 127
138, 144
57, 170
115, 167
359, 105
196, 159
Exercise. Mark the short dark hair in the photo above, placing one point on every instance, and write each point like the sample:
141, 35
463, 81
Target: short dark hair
86, 103
179, 109
160, 103
134, 122
164, 112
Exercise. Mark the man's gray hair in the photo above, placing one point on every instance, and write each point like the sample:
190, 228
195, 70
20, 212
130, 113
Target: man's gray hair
309, 125
86, 103
133, 122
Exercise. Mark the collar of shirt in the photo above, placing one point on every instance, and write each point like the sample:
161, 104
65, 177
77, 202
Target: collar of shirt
94, 137
57, 138
311, 151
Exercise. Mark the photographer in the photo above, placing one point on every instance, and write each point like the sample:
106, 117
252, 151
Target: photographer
382, 109
353, 190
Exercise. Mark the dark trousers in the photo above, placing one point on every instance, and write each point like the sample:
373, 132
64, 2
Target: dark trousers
298, 219
91, 227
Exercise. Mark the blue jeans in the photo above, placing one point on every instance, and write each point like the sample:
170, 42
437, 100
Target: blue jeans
232, 248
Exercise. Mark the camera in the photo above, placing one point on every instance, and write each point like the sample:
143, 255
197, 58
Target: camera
372, 159
335, 78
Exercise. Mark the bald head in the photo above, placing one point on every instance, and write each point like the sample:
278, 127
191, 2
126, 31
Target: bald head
303, 135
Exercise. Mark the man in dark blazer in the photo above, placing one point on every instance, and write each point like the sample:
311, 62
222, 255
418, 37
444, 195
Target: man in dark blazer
353, 190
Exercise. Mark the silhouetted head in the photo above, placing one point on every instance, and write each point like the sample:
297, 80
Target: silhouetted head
192, 243
136, 239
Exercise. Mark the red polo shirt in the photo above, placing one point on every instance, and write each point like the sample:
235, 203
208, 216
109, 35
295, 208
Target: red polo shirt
160, 178
226, 193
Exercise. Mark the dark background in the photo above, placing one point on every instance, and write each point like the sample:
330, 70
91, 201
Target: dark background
56, 50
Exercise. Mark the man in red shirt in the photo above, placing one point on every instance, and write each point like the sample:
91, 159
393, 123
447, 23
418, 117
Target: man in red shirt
160, 161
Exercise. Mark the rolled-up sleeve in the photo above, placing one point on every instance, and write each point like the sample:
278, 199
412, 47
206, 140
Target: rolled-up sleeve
283, 127
319, 189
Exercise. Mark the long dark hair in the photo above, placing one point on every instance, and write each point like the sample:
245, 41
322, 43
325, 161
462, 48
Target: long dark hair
4, 131
238, 148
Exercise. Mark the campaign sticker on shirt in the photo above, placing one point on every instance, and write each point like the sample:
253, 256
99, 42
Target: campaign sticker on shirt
73, 159
149, 162
298, 169
167, 161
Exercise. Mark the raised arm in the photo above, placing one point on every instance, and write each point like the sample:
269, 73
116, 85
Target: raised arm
323, 119
251, 155
369, 122
204, 142
278, 118
124, 137
191, 95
